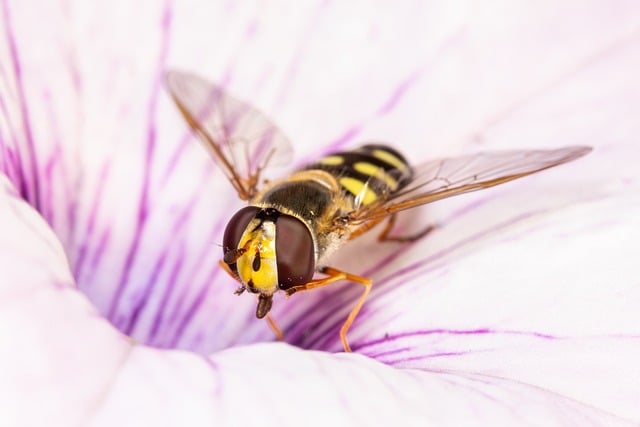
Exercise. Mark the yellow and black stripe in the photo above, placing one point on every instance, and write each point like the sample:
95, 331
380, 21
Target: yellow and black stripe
368, 172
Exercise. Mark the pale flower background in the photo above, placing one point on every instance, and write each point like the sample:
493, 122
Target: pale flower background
520, 309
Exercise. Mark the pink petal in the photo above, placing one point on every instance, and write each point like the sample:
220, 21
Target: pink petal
519, 308
240, 387
57, 350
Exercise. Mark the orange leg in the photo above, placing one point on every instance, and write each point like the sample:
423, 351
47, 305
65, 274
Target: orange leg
226, 268
364, 228
272, 323
274, 327
233, 275
385, 237
333, 276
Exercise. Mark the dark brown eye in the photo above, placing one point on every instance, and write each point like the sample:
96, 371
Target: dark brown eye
294, 251
235, 228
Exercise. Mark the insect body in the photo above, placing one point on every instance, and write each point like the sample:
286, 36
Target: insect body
291, 225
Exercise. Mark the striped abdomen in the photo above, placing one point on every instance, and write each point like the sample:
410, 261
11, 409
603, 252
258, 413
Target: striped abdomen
368, 172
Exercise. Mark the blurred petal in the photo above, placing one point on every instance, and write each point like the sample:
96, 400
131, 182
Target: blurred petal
497, 312
279, 385
83, 373
56, 350
590, 102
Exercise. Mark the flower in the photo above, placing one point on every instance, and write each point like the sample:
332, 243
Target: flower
519, 308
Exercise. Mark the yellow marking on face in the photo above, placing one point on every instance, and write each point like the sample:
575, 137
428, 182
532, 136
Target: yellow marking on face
332, 160
361, 190
259, 243
378, 172
389, 158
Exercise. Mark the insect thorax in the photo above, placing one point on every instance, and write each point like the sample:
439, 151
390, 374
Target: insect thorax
315, 198
333, 187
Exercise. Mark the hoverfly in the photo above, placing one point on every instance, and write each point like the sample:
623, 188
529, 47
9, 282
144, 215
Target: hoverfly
293, 224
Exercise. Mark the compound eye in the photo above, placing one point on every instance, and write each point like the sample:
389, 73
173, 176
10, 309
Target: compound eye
235, 229
294, 251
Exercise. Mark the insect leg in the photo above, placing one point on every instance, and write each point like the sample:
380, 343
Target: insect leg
274, 327
333, 276
233, 275
272, 323
364, 228
385, 237
226, 268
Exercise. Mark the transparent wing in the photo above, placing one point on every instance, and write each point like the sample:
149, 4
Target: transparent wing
242, 140
442, 178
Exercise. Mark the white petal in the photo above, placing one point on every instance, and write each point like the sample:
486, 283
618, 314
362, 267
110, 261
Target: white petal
280, 385
130, 198
58, 354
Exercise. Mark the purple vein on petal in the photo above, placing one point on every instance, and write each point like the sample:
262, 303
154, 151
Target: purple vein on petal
54, 164
390, 352
193, 308
420, 357
403, 274
13, 170
71, 63
390, 103
176, 315
337, 299
456, 214
409, 273
398, 94
215, 369
9, 167
168, 290
143, 206
251, 30
185, 319
10, 161
566, 75
4, 159
414, 267
350, 133
340, 141
47, 210
380, 265
143, 294
103, 241
176, 230
298, 54
441, 331
479, 386
181, 221
186, 139
91, 223
33, 194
